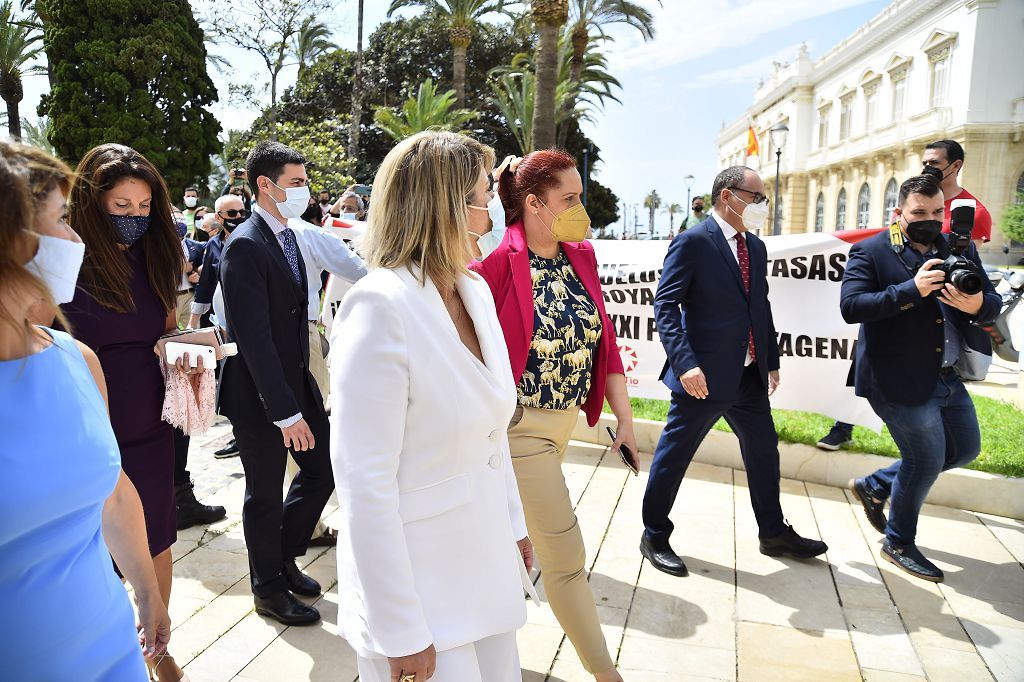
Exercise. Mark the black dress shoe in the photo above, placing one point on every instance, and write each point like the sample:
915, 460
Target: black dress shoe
788, 543
662, 557
229, 450
874, 509
191, 512
285, 608
299, 582
910, 560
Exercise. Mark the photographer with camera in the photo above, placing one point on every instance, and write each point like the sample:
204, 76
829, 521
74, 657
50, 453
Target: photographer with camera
917, 296
947, 157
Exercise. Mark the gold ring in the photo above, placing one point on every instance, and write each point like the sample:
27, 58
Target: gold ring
407, 678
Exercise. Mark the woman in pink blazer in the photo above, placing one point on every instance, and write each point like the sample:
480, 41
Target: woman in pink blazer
564, 358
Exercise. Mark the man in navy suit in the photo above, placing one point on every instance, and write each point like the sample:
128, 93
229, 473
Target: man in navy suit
267, 390
715, 322
916, 330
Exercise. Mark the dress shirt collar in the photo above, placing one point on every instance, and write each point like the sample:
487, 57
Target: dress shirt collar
728, 231
276, 226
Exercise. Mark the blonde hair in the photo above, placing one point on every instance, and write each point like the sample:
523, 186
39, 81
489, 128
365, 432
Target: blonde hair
419, 216
27, 176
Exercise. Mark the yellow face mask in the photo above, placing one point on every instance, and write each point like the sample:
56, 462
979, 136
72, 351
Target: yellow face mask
570, 225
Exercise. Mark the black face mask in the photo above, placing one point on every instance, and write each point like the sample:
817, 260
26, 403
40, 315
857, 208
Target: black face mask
924, 231
232, 223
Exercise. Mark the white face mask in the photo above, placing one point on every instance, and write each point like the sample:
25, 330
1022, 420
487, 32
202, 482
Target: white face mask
57, 262
295, 203
191, 201
754, 216
490, 241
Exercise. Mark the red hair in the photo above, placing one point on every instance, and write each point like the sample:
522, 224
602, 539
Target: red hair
536, 173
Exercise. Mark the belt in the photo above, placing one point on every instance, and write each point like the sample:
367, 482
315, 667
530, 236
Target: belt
186, 291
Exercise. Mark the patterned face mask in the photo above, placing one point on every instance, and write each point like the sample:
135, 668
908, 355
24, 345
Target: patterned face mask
130, 228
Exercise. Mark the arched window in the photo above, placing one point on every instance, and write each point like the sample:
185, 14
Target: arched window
891, 194
819, 213
864, 207
841, 210
1020, 189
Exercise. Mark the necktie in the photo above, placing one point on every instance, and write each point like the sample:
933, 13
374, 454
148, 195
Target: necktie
291, 252
743, 256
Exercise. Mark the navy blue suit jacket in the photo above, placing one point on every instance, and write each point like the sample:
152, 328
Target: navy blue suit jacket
704, 315
899, 349
208, 278
269, 379
195, 251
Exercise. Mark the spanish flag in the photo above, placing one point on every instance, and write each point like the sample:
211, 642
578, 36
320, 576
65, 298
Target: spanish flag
752, 147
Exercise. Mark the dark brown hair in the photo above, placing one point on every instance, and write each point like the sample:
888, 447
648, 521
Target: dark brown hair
536, 173
106, 272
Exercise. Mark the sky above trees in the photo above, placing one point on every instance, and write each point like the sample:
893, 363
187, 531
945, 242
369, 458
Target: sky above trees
678, 89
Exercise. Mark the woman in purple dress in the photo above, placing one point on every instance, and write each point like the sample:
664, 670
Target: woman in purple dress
126, 299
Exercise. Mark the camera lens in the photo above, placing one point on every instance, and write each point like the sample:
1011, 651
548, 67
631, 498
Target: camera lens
966, 281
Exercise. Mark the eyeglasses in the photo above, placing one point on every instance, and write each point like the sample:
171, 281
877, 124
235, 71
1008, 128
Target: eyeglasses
234, 213
758, 197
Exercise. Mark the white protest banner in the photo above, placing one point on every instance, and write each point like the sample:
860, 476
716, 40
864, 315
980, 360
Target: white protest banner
350, 231
816, 346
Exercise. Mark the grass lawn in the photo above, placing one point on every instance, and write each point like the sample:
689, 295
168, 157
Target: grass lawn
1002, 433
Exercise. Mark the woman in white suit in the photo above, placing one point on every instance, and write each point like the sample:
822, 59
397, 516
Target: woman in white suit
432, 546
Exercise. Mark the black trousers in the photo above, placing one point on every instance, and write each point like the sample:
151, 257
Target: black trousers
277, 531
689, 421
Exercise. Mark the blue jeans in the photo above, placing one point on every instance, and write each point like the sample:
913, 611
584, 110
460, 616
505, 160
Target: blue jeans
939, 435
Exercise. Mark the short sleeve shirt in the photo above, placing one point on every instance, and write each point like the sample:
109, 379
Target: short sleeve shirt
982, 218
566, 331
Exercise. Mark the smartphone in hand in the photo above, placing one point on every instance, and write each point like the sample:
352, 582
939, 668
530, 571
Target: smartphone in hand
625, 454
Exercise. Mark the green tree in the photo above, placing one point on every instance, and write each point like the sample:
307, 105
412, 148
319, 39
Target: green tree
587, 21
548, 16
652, 202
602, 206
461, 16
311, 42
20, 43
322, 143
428, 110
141, 82
358, 86
1012, 222
400, 54
672, 210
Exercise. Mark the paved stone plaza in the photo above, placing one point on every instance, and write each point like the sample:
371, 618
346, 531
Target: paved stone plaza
738, 616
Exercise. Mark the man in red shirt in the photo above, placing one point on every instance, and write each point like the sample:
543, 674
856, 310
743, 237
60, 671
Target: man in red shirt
948, 157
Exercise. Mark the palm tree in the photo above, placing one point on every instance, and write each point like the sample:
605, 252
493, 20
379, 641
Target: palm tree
355, 120
672, 209
549, 16
462, 15
652, 202
428, 110
311, 42
573, 100
20, 43
588, 19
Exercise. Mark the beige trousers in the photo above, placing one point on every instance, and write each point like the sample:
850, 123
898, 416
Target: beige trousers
184, 308
318, 368
538, 441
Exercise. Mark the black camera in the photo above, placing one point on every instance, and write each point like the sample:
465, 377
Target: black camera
961, 272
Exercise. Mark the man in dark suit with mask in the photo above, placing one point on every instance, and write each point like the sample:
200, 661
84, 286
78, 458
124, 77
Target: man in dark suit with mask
916, 328
267, 389
715, 322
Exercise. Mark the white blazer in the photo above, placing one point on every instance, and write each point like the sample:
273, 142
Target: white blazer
429, 507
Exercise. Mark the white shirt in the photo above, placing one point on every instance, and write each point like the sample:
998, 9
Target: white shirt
322, 250
729, 232
185, 284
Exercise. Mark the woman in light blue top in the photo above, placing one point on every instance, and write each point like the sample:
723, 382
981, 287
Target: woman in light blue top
65, 505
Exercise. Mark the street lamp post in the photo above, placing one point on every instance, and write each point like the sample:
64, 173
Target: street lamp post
777, 135
689, 186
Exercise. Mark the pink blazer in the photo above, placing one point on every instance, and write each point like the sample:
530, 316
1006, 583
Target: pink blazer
507, 272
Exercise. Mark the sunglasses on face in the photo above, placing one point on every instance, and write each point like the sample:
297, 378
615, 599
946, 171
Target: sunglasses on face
758, 197
234, 213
